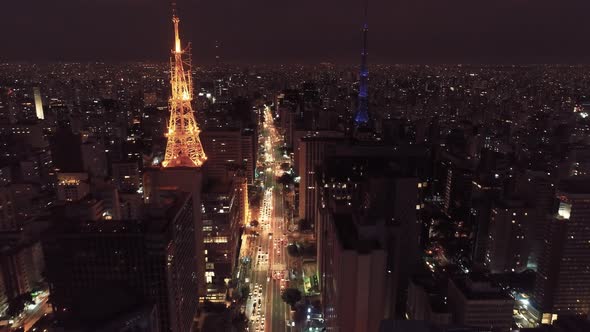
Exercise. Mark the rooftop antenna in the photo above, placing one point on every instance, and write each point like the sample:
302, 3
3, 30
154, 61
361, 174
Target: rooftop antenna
362, 112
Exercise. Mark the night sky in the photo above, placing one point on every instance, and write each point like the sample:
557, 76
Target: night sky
299, 31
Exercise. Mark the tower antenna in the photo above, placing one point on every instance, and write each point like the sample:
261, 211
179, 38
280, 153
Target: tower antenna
173, 5
362, 112
184, 148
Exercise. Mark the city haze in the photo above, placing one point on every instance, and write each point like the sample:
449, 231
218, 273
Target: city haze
306, 31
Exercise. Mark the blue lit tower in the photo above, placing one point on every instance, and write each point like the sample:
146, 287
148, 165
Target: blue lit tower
362, 112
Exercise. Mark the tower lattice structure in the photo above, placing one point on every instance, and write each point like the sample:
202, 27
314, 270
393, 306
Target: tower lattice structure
184, 148
362, 112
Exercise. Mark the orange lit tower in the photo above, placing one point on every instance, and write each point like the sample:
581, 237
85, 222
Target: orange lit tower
184, 146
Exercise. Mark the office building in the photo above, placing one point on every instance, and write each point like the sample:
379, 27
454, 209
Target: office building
486, 190
126, 176
538, 190
391, 325
21, 266
226, 150
312, 151
381, 188
3, 297
427, 301
157, 185
7, 210
222, 219
562, 285
6, 174
152, 257
86, 208
509, 245
7, 109
72, 186
474, 301
29, 134
113, 309
66, 151
94, 159
355, 273
458, 189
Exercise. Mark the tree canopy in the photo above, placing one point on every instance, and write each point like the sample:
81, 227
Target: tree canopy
291, 296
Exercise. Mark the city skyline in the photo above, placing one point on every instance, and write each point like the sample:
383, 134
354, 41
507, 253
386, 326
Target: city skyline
500, 32
160, 196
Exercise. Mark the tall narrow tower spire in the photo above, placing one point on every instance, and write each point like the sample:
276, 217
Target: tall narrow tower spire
184, 145
362, 112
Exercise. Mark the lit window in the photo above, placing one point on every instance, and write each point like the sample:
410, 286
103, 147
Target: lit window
215, 239
209, 276
565, 210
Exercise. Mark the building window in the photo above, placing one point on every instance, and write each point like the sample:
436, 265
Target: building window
209, 276
215, 239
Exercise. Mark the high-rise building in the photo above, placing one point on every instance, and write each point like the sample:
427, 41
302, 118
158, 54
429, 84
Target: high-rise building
152, 257
126, 176
458, 190
94, 159
485, 191
7, 109
30, 171
88, 208
356, 273
131, 205
222, 218
38, 103
562, 285
313, 150
7, 210
382, 185
66, 151
158, 183
474, 301
114, 309
508, 244
391, 325
72, 186
3, 297
427, 302
538, 190
228, 149
30, 134
21, 264
5, 175
109, 195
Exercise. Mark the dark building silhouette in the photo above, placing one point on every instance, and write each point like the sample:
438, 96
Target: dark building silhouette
153, 258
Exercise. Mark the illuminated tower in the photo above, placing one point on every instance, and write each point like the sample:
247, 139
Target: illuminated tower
362, 112
38, 103
184, 146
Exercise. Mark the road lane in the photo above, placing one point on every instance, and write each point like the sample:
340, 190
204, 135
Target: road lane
271, 257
